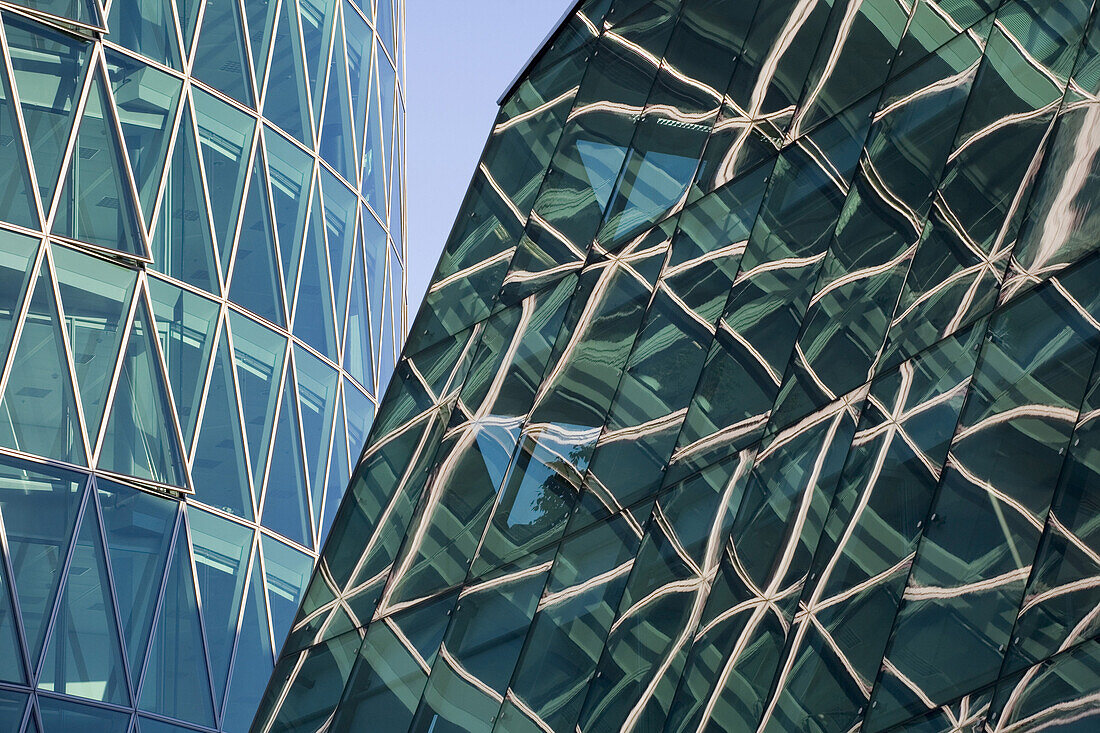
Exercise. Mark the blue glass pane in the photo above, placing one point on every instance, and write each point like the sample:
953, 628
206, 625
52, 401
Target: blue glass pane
256, 284
12, 705
287, 572
61, 716
254, 660
258, 353
220, 59
286, 504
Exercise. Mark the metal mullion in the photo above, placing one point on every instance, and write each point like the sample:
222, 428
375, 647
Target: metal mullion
197, 503
21, 315
241, 209
62, 576
20, 123
204, 388
83, 31
222, 96
246, 36
253, 558
207, 209
333, 171
283, 375
32, 715
121, 642
293, 384
261, 84
70, 145
188, 57
261, 150
108, 402
240, 419
120, 137
20, 229
194, 580
143, 287
177, 27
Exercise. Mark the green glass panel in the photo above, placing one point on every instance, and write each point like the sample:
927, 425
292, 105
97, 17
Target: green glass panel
183, 241
290, 170
254, 659
12, 705
337, 144
1056, 695
339, 210
317, 18
286, 499
317, 399
139, 529
83, 656
219, 469
186, 324
259, 16
59, 716
358, 43
16, 253
176, 679
96, 203
286, 103
11, 665
145, 101
16, 193
258, 286
39, 507
221, 551
258, 355
313, 315
147, 28
286, 573
49, 73
225, 138
96, 297
359, 356
39, 403
220, 56
141, 437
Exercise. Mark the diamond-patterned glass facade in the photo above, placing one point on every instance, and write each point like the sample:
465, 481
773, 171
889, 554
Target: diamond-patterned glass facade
201, 289
756, 390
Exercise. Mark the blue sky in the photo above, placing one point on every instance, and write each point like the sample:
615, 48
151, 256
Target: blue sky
461, 56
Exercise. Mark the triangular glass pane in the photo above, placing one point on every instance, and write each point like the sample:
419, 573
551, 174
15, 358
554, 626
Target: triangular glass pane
149, 725
287, 572
317, 17
182, 243
286, 504
97, 204
313, 315
318, 395
64, 716
38, 410
176, 679
12, 706
387, 93
188, 12
359, 411
387, 348
140, 439
145, 27
258, 287
16, 255
139, 534
219, 470
38, 52
39, 507
259, 358
358, 354
11, 664
360, 42
383, 21
338, 476
375, 247
397, 180
145, 100
185, 325
220, 58
260, 17
340, 206
225, 137
374, 162
286, 103
337, 146
253, 665
16, 200
83, 654
221, 559
96, 297
290, 170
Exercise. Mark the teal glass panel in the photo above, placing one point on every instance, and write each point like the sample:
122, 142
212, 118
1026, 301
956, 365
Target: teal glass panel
49, 73
17, 204
374, 158
317, 399
358, 42
253, 660
259, 353
39, 506
16, 273
138, 527
286, 502
286, 103
151, 725
83, 655
221, 551
12, 705
11, 666
359, 356
38, 408
317, 18
146, 28
286, 573
256, 282
219, 468
375, 248
141, 438
186, 324
314, 319
259, 19
1057, 695
290, 170
339, 211
145, 101
96, 204
337, 144
384, 22
176, 678
220, 56
183, 238
62, 715
188, 13
225, 139
96, 297
359, 411
338, 474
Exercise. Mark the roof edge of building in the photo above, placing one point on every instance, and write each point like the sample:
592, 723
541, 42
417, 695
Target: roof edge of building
566, 14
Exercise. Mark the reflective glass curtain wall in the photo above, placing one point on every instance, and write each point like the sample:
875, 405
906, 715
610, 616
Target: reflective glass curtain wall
756, 390
201, 292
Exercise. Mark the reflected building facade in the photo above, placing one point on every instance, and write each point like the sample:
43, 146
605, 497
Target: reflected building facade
756, 390
201, 290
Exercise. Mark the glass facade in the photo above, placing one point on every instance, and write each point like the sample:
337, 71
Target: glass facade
756, 390
201, 290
